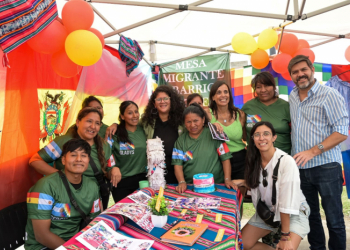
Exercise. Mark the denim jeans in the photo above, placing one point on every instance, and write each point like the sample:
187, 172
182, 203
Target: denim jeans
327, 181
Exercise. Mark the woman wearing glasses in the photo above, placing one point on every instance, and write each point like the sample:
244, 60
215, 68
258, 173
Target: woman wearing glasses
282, 197
162, 118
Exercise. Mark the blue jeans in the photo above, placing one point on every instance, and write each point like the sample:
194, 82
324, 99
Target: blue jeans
326, 180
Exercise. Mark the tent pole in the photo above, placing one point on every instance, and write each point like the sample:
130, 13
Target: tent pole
302, 7
287, 7
102, 17
185, 58
194, 8
326, 9
195, 47
151, 19
314, 33
296, 10
328, 41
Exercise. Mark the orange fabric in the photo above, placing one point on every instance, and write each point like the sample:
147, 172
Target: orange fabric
20, 138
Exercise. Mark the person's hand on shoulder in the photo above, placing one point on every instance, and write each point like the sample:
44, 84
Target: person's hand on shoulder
110, 131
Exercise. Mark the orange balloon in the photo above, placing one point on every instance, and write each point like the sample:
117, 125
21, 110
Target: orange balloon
49, 40
286, 76
306, 52
63, 66
259, 59
280, 63
77, 15
96, 32
289, 43
347, 54
303, 44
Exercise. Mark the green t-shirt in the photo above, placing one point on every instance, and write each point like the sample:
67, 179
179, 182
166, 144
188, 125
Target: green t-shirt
131, 158
52, 153
102, 131
234, 133
201, 155
277, 114
48, 199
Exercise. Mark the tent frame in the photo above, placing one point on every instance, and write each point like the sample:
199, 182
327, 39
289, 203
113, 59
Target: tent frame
298, 15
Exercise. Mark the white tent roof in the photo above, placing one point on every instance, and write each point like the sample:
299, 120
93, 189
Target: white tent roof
213, 29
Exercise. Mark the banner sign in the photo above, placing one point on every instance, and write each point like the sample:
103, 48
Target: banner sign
196, 75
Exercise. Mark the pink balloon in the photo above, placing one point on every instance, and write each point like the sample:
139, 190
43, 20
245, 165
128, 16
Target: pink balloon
280, 63
347, 54
306, 52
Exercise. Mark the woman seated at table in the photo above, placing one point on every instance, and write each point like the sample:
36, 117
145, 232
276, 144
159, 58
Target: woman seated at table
289, 205
87, 126
129, 150
196, 151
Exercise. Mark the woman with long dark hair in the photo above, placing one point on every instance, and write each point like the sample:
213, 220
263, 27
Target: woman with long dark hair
196, 151
162, 118
87, 126
273, 177
231, 120
129, 150
93, 102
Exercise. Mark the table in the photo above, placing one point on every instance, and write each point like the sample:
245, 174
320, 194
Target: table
231, 202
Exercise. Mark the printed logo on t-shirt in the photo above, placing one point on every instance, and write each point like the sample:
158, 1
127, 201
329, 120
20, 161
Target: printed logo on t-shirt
178, 154
188, 156
223, 149
252, 119
126, 148
111, 161
61, 210
53, 150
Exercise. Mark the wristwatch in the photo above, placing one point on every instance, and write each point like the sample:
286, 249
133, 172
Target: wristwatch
182, 182
320, 147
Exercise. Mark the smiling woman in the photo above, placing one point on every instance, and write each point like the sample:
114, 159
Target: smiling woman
87, 126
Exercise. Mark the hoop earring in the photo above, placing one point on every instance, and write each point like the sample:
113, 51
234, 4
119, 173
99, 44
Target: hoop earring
154, 113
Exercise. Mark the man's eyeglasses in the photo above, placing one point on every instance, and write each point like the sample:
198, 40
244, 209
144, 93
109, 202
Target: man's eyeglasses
264, 135
264, 173
164, 99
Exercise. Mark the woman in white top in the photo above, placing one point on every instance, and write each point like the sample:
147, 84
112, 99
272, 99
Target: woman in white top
290, 206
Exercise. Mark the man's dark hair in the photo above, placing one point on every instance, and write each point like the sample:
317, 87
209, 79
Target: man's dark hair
75, 144
297, 59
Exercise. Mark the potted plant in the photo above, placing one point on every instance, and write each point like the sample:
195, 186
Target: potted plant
159, 218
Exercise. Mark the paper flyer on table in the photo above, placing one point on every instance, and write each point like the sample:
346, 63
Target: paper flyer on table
196, 203
102, 237
140, 197
138, 213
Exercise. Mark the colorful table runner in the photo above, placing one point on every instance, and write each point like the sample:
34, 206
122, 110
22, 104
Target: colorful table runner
231, 202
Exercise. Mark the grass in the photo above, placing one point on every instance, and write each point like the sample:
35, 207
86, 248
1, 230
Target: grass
249, 210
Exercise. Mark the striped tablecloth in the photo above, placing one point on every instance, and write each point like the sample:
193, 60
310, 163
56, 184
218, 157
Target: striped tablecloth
231, 202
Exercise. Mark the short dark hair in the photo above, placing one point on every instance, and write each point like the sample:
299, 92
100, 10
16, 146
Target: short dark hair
297, 59
75, 144
264, 78
89, 99
194, 108
192, 96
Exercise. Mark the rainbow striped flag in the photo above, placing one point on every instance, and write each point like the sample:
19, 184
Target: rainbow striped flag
21, 20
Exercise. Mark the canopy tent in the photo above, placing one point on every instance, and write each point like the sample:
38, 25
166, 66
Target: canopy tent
210, 24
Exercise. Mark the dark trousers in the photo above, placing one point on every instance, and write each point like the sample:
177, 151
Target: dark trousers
127, 186
326, 180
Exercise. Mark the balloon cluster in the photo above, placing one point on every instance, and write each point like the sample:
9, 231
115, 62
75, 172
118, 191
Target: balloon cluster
290, 46
71, 41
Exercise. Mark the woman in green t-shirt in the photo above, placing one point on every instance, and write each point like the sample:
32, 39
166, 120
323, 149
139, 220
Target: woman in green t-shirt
129, 150
195, 151
267, 106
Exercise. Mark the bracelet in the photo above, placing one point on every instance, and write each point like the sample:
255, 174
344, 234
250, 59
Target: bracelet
227, 179
182, 182
285, 238
285, 234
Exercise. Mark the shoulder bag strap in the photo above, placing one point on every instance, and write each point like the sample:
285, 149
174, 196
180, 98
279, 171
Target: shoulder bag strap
97, 174
74, 203
275, 178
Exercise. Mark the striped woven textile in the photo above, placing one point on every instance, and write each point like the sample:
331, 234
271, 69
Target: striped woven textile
130, 53
231, 202
20, 20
